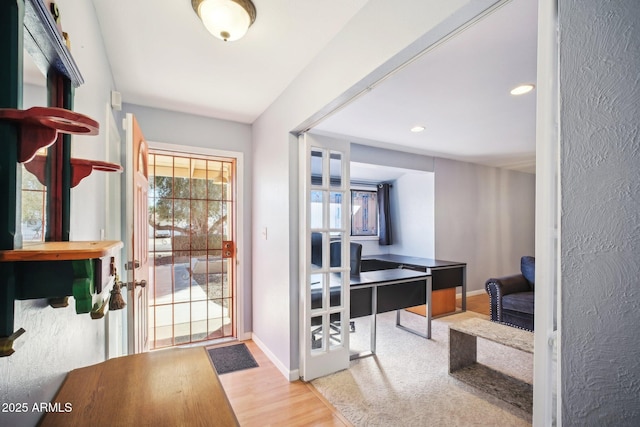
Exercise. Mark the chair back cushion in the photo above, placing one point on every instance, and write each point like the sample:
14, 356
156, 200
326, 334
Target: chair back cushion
355, 256
528, 270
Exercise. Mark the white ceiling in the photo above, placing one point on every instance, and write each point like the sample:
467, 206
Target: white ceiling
459, 92
162, 56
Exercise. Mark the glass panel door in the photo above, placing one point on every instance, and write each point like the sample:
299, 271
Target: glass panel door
324, 266
192, 248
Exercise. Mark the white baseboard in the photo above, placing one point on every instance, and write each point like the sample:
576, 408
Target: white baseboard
289, 375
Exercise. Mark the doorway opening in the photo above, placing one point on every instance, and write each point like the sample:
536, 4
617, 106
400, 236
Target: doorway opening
192, 223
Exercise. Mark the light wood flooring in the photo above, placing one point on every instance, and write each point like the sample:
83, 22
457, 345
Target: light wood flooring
476, 303
263, 397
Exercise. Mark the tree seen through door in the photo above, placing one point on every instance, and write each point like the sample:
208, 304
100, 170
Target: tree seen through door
191, 212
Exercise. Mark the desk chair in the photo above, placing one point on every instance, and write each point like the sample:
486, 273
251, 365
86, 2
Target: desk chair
355, 257
355, 261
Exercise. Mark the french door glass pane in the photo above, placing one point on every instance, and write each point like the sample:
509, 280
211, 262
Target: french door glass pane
317, 211
317, 285
335, 329
335, 169
316, 167
317, 254
317, 334
335, 291
335, 210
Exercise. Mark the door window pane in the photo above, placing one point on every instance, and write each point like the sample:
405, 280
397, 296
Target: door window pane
317, 334
335, 250
335, 210
317, 209
317, 253
335, 169
335, 329
316, 167
317, 291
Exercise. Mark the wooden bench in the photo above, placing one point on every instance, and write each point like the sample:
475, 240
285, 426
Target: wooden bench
463, 359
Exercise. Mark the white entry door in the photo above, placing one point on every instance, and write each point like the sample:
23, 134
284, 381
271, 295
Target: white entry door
137, 230
324, 263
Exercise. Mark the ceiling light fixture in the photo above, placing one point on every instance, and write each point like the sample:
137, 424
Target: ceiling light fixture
417, 129
522, 89
227, 20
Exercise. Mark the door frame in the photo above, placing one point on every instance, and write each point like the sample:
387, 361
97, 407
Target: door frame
242, 246
547, 379
115, 333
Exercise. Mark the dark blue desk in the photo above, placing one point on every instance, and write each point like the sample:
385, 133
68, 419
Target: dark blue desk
446, 274
379, 291
397, 291
395, 282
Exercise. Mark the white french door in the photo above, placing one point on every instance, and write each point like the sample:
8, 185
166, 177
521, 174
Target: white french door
324, 263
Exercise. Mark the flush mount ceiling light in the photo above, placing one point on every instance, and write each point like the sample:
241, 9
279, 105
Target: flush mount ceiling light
417, 129
522, 89
227, 20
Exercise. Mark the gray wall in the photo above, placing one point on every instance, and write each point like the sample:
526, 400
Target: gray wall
412, 200
485, 217
188, 130
393, 158
58, 340
600, 222
412, 215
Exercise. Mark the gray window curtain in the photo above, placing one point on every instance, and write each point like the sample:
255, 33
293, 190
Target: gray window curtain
384, 214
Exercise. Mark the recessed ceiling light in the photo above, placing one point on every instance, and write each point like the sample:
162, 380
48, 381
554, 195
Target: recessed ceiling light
522, 89
417, 129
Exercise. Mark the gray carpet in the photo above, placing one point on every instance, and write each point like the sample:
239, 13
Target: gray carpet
407, 383
232, 358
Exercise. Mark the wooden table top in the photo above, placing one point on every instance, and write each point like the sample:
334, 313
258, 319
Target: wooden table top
172, 387
60, 251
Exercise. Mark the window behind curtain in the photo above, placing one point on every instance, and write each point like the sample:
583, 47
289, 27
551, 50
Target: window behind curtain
364, 217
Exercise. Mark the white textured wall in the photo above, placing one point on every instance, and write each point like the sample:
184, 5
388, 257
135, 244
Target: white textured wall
57, 340
600, 222
485, 217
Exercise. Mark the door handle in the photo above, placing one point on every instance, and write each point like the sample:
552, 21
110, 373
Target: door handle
132, 285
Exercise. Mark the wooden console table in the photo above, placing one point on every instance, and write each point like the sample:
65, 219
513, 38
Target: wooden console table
172, 387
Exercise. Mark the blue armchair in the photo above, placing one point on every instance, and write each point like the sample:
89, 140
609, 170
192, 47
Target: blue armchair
512, 297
